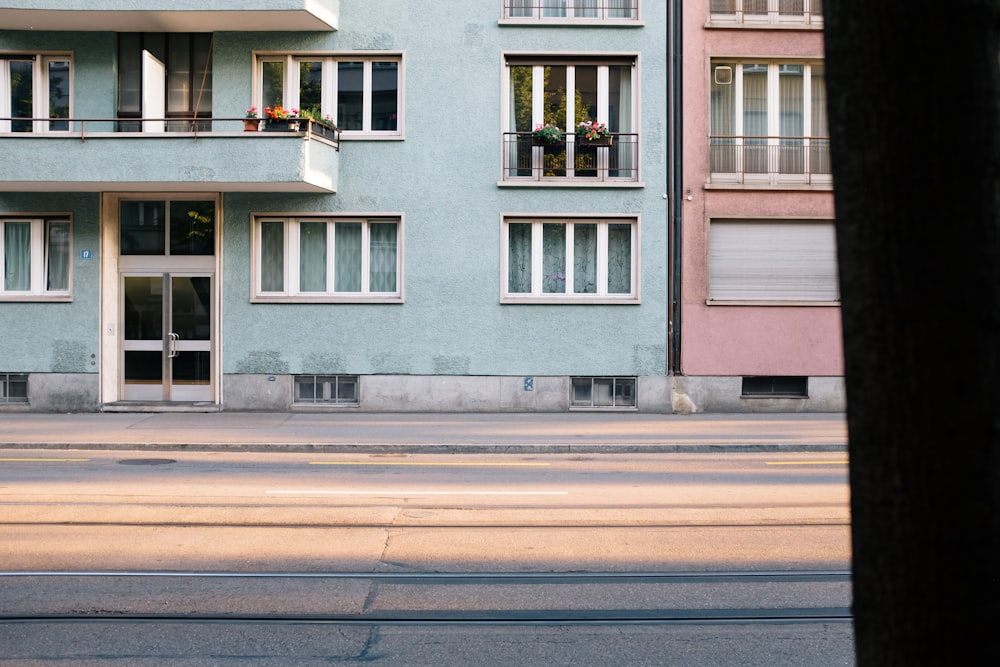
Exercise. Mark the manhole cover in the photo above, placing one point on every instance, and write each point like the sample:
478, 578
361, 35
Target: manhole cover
146, 462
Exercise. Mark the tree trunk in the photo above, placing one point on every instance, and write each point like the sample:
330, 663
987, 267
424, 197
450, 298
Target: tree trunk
914, 90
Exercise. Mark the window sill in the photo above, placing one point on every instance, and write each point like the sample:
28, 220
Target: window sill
327, 299
568, 183
564, 22
572, 301
35, 298
790, 304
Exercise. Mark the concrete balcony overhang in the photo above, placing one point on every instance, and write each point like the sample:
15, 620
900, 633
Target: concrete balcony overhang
171, 15
205, 162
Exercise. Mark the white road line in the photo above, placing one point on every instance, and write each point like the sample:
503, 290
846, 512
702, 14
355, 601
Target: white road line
411, 492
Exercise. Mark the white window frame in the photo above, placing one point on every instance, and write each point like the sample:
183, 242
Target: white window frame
736, 16
537, 295
772, 262
291, 292
329, 94
39, 244
520, 12
39, 90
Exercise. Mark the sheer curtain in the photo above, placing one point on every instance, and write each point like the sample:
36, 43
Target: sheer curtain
57, 251
382, 266
791, 101
554, 259
623, 154
619, 259
723, 118
519, 258
621, 9
520, 8
755, 118
312, 256
585, 8
820, 131
272, 256
347, 257
553, 8
17, 256
584, 258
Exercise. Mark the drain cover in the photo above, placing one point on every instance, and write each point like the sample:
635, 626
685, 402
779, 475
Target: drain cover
146, 462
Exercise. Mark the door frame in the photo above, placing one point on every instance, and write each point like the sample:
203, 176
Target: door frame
114, 265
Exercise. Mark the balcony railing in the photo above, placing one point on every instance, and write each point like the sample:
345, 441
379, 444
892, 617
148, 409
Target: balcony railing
570, 160
560, 10
770, 160
194, 154
767, 12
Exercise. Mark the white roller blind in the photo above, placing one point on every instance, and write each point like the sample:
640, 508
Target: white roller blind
784, 260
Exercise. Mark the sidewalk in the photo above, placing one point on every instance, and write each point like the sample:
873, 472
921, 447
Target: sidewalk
426, 432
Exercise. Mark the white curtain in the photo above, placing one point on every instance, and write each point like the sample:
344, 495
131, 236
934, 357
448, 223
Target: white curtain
272, 257
619, 259
723, 118
553, 8
382, 265
584, 258
520, 8
621, 9
554, 259
17, 256
57, 249
585, 8
623, 151
347, 257
312, 256
519, 258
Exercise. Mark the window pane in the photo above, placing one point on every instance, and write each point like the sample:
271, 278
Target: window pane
350, 95
192, 228
555, 95
311, 89
619, 259
58, 93
347, 260
17, 256
586, 94
272, 257
584, 259
382, 273
57, 259
273, 83
21, 101
385, 85
755, 100
179, 80
554, 259
519, 258
312, 256
129, 73
142, 227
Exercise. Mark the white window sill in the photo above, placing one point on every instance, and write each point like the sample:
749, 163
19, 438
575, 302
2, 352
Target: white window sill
792, 304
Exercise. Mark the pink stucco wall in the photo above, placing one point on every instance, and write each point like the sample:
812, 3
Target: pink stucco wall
743, 340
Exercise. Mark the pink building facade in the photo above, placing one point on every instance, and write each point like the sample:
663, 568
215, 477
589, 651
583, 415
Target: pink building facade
759, 312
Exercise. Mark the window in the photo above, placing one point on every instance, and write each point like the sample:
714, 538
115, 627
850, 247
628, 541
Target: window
34, 258
567, 10
780, 260
13, 388
166, 227
35, 86
769, 123
762, 13
570, 261
767, 386
326, 389
565, 93
361, 94
326, 259
599, 392
186, 89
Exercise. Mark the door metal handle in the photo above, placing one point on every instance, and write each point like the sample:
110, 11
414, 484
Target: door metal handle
172, 339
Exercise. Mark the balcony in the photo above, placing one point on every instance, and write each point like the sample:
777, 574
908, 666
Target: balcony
96, 155
576, 11
171, 15
569, 162
770, 161
766, 13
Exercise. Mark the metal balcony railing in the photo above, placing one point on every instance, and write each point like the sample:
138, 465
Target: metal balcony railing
145, 127
757, 12
770, 159
599, 10
570, 160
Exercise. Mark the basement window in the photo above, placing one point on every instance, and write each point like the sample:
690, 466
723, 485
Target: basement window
13, 388
775, 386
326, 389
602, 392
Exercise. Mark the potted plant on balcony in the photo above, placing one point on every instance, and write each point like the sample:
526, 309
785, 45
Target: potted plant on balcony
592, 133
321, 125
547, 135
280, 119
251, 123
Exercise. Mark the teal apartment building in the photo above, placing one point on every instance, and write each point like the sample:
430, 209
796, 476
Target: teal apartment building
344, 204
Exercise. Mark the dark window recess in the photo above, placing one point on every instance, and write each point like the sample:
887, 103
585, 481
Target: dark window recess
601, 392
776, 386
13, 388
326, 389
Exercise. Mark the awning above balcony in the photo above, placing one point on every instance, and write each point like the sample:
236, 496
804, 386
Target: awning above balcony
170, 15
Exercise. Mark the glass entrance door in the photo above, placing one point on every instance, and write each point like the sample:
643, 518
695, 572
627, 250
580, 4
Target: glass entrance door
167, 337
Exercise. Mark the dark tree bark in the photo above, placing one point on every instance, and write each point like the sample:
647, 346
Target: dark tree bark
914, 90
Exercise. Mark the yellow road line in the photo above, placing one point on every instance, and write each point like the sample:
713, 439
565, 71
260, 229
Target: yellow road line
429, 464
40, 460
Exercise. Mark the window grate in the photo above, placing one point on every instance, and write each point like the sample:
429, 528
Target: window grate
602, 392
326, 389
13, 388
774, 386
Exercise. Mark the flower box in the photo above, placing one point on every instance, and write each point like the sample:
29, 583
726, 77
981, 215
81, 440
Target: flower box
596, 141
286, 125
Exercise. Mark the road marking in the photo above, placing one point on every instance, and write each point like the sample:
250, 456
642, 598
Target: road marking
429, 464
806, 463
41, 460
413, 492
